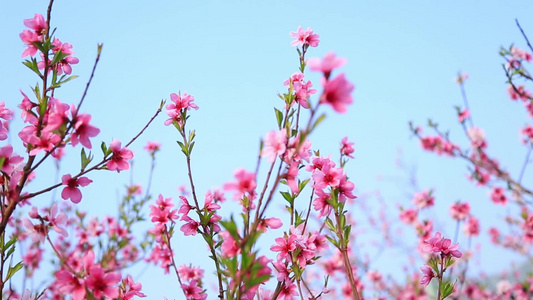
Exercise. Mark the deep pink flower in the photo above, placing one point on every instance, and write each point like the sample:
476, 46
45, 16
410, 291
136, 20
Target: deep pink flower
82, 130
229, 246
463, 115
460, 211
47, 141
58, 115
428, 275
285, 246
162, 212
181, 102
101, 284
5, 113
288, 291
472, 227
29, 37
337, 93
321, 204
120, 158
64, 65
347, 147
439, 245
191, 227
71, 190
327, 64
38, 24
306, 37
327, 176
70, 285
193, 291
189, 273
498, 196
10, 160
130, 289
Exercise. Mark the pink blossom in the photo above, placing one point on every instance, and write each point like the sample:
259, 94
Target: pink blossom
518, 53
82, 130
477, 137
181, 102
497, 196
345, 189
527, 132
162, 212
288, 291
438, 145
424, 199
102, 284
321, 203
189, 273
64, 65
460, 211
347, 147
185, 206
285, 246
229, 246
71, 285
519, 92
463, 115
193, 291
303, 38
29, 37
152, 147
10, 160
428, 275
472, 227
71, 190
58, 115
57, 221
120, 158
408, 216
327, 176
245, 183
337, 93
47, 141
37, 232
189, 228
442, 246
327, 64
130, 289
5, 113
38, 24
275, 144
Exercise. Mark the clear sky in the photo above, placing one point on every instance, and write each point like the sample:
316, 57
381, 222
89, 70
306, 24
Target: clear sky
233, 56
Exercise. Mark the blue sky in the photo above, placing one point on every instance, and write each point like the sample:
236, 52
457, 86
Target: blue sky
233, 57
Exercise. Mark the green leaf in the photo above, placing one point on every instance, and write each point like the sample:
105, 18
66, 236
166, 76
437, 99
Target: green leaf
318, 121
231, 227
288, 197
333, 241
446, 289
85, 159
279, 117
12, 270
